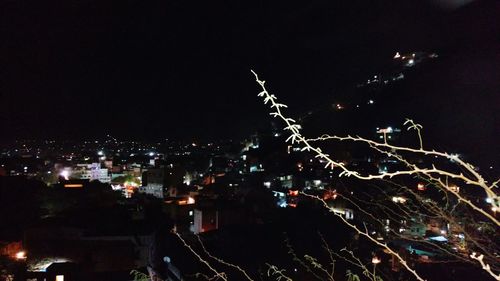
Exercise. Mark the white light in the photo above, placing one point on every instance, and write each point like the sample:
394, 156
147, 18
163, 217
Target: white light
65, 174
151, 154
489, 200
397, 199
100, 153
370, 101
21, 255
59, 277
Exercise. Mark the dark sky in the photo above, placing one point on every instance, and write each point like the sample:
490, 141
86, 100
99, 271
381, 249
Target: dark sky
152, 69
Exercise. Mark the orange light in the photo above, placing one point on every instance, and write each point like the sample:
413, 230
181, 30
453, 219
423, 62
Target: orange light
293, 192
73, 185
293, 205
331, 194
420, 186
21, 255
376, 260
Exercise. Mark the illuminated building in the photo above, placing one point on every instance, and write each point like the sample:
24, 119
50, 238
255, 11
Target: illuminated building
88, 172
388, 134
94, 172
205, 220
153, 182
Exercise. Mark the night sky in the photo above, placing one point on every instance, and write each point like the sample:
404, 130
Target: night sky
154, 69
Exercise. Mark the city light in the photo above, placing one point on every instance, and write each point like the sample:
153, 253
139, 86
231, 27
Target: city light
376, 260
73, 185
398, 199
454, 188
65, 174
21, 255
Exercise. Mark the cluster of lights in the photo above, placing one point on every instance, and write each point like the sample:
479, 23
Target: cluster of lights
387, 130
398, 199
